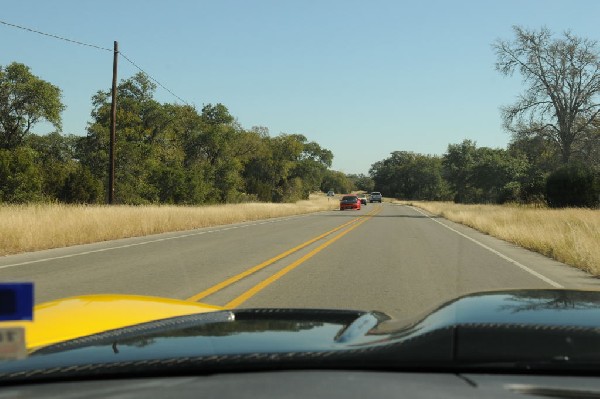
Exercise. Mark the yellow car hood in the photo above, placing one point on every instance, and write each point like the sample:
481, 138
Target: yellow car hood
79, 316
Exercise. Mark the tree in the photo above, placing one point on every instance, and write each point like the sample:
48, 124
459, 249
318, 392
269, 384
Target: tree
562, 79
169, 153
458, 163
311, 166
408, 175
484, 174
336, 181
362, 182
55, 159
541, 158
218, 144
20, 179
285, 168
147, 148
216, 114
573, 185
497, 175
81, 187
25, 100
589, 148
284, 152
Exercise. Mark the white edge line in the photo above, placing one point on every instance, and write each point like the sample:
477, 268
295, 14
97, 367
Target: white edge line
506, 258
103, 249
283, 219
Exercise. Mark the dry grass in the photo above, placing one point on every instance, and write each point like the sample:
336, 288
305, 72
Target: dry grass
26, 228
571, 236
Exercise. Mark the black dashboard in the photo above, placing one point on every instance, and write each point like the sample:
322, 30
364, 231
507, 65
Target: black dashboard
319, 384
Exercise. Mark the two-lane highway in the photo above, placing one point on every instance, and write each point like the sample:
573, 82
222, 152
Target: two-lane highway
392, 258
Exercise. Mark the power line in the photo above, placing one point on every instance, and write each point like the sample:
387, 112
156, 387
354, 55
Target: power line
151, 78
96, 47
55, 36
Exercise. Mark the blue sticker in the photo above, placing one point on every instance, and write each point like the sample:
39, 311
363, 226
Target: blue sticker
16, 301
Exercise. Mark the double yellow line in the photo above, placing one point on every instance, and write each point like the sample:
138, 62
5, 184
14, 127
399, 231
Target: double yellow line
263, 284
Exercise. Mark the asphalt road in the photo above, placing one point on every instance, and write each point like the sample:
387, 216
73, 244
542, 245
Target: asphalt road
391, 258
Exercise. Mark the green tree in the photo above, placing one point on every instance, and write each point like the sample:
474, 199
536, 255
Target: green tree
497, 175
219, 144
458, 163
408, 175
542, 158
259, 176
287, 167
145, 141
170, 153
310, 166
56, 160
216, 115
285, 150
483, 174
20, 178
574, 185
362, 182
336, 181
25, 100
81, 187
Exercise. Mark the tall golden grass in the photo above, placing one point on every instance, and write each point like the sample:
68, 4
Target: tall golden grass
571, 236
25, 228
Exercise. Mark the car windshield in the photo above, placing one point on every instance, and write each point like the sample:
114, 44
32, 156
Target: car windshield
190, 151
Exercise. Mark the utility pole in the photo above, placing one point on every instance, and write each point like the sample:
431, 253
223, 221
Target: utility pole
113, 127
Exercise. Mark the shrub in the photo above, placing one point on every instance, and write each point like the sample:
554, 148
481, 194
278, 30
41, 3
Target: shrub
81, 187
572, 186
20, 180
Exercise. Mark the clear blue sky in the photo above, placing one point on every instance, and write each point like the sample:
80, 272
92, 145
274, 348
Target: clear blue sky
361, 78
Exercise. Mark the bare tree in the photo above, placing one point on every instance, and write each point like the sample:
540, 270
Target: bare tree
562, 85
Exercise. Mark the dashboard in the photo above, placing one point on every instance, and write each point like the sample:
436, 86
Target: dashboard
319, 384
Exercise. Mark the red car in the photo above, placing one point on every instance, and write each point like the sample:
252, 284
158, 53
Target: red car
349, 202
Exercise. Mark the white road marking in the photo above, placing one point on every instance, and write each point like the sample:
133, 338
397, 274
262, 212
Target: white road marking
506, 258
145, 242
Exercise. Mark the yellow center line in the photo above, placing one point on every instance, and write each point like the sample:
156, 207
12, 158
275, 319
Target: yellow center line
254, 269
270, 280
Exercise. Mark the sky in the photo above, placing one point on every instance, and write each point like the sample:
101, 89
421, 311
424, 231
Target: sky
361, 78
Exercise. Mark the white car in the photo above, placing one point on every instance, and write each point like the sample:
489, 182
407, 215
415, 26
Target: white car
375, 197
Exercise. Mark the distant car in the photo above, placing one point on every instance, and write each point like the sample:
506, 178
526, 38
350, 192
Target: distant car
330, 193
363, 199
349, 202
375, 197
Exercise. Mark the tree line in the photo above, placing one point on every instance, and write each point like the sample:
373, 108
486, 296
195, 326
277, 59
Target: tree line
554, 153
176, 154
527, 171
166, 153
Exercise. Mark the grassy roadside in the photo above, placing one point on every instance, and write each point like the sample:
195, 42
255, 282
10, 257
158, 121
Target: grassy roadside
25, 228
571, 236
